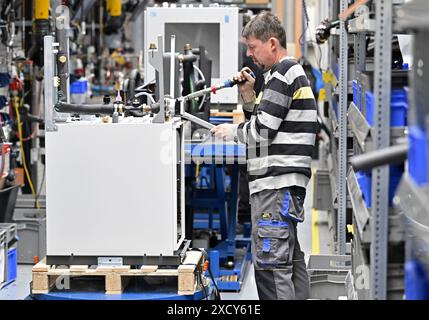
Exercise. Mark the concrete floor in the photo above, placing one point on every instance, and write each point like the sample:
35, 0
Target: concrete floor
20, 288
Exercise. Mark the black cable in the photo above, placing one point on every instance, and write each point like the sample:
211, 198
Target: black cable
304, 6
202, 283
307, 19
216, 289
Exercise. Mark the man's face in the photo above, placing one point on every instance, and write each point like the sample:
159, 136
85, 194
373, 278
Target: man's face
262, 53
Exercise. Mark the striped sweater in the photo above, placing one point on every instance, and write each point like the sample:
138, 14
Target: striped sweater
281, 133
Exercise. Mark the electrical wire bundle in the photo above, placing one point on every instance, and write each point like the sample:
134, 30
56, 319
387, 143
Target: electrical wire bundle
21, 144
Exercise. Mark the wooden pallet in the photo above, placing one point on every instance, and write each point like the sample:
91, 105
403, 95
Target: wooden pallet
116, 278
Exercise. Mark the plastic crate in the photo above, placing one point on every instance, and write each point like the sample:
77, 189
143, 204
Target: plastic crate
327, 275
32, 238
364, 179
12, 264
398, 108
322, 198
418, 155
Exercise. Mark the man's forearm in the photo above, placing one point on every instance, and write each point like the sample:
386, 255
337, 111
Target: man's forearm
249, 101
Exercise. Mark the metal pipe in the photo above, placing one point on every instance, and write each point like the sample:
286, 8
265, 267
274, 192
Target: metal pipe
197, 120
49, 73
392, 155
172, 61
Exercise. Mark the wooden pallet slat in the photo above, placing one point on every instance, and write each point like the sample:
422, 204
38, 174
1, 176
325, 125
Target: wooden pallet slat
116, 278
236, 115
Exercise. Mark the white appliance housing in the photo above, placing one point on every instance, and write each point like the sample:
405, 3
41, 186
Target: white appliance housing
115, 189
215, 27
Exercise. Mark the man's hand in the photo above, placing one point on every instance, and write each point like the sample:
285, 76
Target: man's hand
245, 84
225, 131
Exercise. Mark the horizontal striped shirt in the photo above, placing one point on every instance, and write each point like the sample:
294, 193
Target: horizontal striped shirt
281, 133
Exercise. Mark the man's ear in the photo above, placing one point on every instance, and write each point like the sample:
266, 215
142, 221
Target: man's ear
274, 43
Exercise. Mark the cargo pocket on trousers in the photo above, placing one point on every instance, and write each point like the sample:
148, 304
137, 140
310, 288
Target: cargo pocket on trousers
272, 243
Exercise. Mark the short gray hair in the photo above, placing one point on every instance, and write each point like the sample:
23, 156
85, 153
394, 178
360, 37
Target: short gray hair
264, 26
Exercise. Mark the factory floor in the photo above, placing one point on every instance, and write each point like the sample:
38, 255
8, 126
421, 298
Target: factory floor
313, 237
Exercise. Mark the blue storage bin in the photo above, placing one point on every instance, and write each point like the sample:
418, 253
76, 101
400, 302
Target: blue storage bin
12, 264
395, 175
418, 155
398, 114
416, 281
364, 179
369, 98
355, 92
4, 79
3, 101
399, 108
79, 86
398, 111
335, 106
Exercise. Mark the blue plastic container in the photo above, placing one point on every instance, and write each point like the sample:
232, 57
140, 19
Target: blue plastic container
395, 176
12, 267
364, 179
355, 92
398, 111
79, 86
418, 155
335, 106
416, 281
369, 98
4, 79
3, 101
360, 104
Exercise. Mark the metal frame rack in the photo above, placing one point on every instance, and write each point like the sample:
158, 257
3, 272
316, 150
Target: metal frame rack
377, 230
412, 197
378, 237
334, 165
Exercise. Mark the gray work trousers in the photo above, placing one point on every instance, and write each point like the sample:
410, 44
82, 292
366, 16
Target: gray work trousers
280, 270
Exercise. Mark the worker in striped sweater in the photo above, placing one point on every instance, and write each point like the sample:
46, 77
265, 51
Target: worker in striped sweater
280, 138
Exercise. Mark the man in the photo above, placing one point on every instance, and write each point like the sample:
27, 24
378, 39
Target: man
280, 139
